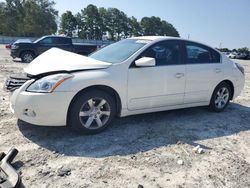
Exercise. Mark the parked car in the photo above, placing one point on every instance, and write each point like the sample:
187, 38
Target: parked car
248, 56
27, 50
232, 55
241, 56
225, 53
133, 76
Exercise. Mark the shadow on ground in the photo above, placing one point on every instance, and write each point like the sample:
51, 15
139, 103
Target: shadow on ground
141, 133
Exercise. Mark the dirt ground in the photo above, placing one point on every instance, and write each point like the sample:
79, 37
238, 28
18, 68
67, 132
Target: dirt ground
152, 150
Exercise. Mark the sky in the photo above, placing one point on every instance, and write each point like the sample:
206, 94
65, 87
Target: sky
218, 23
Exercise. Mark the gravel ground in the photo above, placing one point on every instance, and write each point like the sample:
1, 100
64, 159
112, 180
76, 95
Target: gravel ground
152, 150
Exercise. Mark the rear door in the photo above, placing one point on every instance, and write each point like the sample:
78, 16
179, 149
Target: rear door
63, 43
203, 72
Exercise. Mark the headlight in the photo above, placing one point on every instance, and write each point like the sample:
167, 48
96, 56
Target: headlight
49, 83
14, 46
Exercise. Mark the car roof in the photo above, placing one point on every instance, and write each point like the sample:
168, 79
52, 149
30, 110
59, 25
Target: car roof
57, 36
155, 37
160, 38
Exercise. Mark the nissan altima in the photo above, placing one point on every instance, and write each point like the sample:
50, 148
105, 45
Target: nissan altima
132, 76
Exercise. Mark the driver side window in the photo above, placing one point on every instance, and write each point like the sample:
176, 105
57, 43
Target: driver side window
165, 53
46, 41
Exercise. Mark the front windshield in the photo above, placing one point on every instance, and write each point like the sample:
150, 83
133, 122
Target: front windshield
119, 51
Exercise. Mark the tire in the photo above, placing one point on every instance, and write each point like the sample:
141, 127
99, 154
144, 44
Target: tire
27, 56
221, 97
91, 112
2, 155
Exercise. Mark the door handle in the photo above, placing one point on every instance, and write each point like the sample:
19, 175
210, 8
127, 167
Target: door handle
179, 75
217, 70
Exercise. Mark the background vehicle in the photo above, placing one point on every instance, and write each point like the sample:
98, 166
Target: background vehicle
241, 56
232, 55
248, 56
132, 76
27, 50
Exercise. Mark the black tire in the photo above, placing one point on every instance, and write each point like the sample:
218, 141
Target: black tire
81, 104
214, 104
2, 155
27, 56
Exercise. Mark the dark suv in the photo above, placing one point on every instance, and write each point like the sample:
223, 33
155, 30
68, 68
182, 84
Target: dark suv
27, 51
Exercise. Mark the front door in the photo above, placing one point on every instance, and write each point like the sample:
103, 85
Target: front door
45, 44
160, 85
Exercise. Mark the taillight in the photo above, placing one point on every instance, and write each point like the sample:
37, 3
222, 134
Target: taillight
241, 69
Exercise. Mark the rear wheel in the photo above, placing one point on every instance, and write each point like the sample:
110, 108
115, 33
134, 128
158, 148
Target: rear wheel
91, 112
27, 57
221, 97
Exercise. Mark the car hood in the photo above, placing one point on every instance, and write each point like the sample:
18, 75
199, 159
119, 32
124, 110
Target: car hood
23, 41
57, 60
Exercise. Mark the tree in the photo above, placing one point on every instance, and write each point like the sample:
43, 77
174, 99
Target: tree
28, 17
90, 23
39, 18
168, 29
134, 27
11, 15
155, 26
68, 24
104, 20
117, 24
94, 23
223, 49
244, 50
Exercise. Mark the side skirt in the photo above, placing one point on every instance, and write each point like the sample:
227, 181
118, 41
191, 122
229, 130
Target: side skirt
126, 112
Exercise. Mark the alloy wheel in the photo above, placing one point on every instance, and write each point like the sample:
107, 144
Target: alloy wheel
28, 58
94, 113
222, 97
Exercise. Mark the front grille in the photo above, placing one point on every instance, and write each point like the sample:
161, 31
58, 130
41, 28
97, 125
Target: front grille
15, 81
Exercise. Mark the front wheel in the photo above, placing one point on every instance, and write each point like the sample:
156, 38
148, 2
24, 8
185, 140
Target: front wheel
27, 57
221, 97
91, 112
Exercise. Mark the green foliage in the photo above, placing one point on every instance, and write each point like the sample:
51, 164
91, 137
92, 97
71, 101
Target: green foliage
38, 17
11, 13
90, 23
243, 50
94, 23
155, 26
28, 18
224, 49
134, 27
68, 24
117, 24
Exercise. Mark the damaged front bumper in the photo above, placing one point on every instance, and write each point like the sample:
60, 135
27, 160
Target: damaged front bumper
44, 109
15, 81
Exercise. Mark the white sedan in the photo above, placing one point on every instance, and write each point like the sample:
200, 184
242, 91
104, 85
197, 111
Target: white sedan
133, 76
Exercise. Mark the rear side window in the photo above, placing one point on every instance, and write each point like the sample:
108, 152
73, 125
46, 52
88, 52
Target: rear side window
61, 40
165, 53
197, 54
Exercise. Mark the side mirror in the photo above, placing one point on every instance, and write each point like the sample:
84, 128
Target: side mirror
145, 62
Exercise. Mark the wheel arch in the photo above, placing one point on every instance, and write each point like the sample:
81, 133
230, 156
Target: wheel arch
230, 83
104, 88
27, 50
